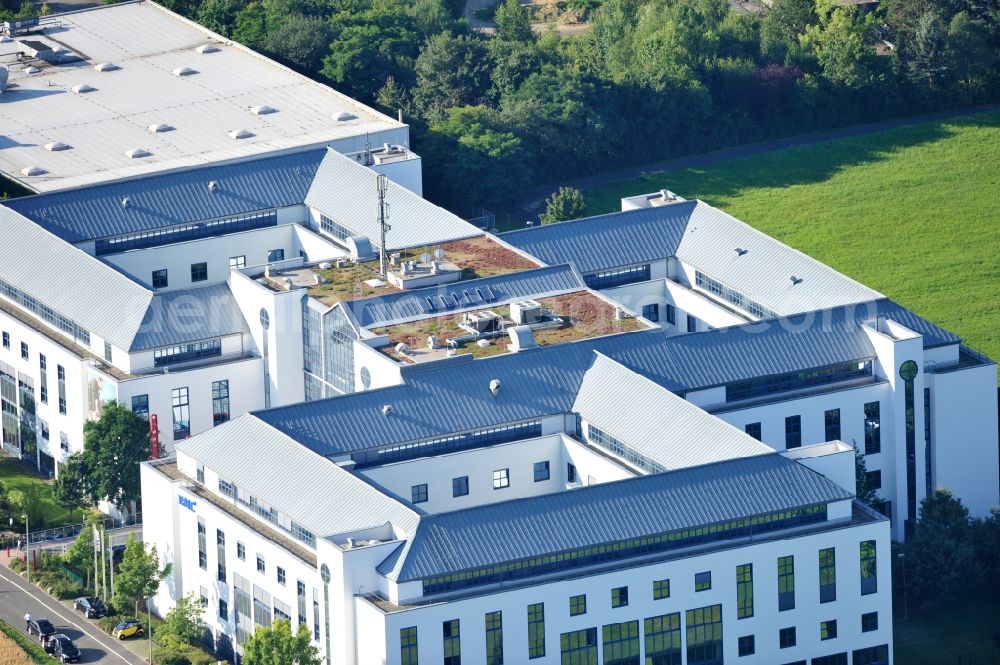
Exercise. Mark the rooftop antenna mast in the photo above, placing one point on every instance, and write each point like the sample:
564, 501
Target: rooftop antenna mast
382, 183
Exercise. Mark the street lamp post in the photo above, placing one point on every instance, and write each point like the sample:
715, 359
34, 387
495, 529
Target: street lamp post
149, 630
902, 562
27, 547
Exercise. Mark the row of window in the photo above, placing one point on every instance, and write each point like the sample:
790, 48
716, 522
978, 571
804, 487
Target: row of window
733, 296
460, 485
43, 367
46, 313
182, 353
181, 407
612, 444
293, 528
831, 426
607, 279
452, 443
192, 231
199, 271
652, 313
810, 378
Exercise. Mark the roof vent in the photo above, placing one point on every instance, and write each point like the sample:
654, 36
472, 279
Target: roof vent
240, 134
56, 146
263, 109
135, 153
386, 409
33, 170
207, 48
740, 251
344, 116
82, 88
106, 67
212, 186
31, 69
184, 71
403, 348
796, 280
495, 386
159, 127
125, 202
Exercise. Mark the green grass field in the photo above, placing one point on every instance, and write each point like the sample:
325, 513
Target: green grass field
913, 213
17, 477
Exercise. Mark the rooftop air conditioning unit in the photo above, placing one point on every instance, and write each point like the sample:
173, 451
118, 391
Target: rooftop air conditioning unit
483, 321
525, 312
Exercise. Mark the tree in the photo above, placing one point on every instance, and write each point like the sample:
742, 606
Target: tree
139, 574
277, 646
70, 488
451, 72
866, 492
513, 23
928, 52
842, 44
986, 537
80, 554
27, 501
783, 23
971, 53
184, 620
567, 203
301, 41
113, 447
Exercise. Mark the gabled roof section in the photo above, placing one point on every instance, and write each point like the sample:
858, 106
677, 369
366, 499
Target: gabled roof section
404, 305
655, 422
188, 315
71, 282
179, 197
611, 512
334, 500
763, 267
607, 241
346, 192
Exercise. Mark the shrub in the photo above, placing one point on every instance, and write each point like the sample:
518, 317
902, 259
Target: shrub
171, 655
109, 622
17, 565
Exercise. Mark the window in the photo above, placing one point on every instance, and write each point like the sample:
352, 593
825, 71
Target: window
189, 231
704, 635
61, 377
64, 441
238, 261
745, 645
460, 486
619, 596
786, 637
199, 272
827, 575
869, 622
47, 314
577, 605
871, 656
621, 643
43, 384
651, 313
835, 659
692, 324
671, 314
24, 350
703, 581
418, 493
450, 633
223, 609
579, 647
828, 630
793, 431
275, 255
874, 479
140, 406
160, 279
6, 339
241, 551
786, 583
494, 638
616, 446
541, 471
536, 630
183, 353
200, 473
202, 550
753, 429
281, 576
873, 429
220, 402
501, 479
408, 646
869, 568
800, 380
744, 591
570, 473
661, 589
300, 594
617, 276
181, 413
832, 422
663, 639
260, 564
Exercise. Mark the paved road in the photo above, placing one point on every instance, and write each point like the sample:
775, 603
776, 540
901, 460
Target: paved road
17, 597
535, 199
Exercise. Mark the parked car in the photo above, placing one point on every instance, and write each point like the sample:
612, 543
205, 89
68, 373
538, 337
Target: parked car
128, 628
62, 648
41, 627
93, 608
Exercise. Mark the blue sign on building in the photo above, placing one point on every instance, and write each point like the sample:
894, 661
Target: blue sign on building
187, 503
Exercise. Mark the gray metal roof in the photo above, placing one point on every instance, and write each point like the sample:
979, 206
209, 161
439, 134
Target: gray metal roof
764, 270
324, 498
405, 305
71, 282
188, 315
345, 191
173, 198
607, 241
655, 422
612, 512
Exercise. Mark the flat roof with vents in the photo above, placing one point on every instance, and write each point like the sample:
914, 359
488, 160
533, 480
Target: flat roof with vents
147, 44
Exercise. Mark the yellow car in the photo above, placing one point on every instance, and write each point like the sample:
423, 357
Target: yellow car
128, 628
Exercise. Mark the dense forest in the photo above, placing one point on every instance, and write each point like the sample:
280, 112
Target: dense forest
650, 79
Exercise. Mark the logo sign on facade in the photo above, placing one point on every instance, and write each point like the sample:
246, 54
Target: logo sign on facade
187, 503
